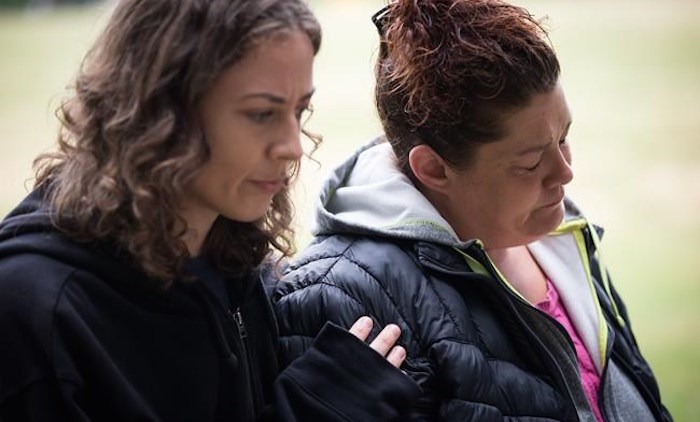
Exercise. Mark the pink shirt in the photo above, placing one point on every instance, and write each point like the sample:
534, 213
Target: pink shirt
589, 376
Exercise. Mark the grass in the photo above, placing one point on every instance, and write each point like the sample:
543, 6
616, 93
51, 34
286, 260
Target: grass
631, 69
40, 53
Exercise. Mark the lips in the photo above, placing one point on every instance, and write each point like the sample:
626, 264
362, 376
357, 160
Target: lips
555, 203
270, 186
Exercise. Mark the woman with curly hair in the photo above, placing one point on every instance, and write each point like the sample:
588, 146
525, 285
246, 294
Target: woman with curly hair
133, 278
456, 226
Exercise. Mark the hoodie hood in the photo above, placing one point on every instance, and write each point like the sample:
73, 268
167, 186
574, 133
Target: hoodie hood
367, 194
30, 216
29, 229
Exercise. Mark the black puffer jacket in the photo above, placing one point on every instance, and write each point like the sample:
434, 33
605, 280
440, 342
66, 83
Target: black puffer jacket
479, 351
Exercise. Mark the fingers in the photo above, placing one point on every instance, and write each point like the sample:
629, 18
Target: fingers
362, 327
385, 342
386, 339
396, 356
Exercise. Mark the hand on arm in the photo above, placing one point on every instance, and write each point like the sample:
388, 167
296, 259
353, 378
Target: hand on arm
324, 385
385, 342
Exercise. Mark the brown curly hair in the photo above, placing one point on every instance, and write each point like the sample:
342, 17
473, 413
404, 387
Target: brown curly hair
129, 144
450, 71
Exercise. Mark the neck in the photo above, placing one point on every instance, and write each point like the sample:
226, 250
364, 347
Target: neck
197, 228
521, 270
194, 242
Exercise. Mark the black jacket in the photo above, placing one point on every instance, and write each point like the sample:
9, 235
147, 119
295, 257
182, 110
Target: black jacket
471, 346
82, 339
477, 348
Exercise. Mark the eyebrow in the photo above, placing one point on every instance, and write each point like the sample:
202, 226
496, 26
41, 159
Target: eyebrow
532, 149
538, 148
275, 98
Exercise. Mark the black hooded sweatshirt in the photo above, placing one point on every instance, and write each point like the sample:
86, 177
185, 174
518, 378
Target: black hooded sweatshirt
86, 337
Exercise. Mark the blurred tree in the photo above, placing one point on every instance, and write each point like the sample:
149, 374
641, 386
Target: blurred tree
13, 3
40, 3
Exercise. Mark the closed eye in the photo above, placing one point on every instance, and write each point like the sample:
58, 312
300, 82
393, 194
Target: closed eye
533, 168
562, 144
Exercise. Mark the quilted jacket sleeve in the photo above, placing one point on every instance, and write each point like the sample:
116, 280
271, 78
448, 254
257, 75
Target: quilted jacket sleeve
304, 303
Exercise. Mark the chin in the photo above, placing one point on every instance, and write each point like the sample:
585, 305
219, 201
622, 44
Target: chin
247, 216
545, 221
554, 220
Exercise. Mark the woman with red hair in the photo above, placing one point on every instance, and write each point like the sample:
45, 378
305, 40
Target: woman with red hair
455, 224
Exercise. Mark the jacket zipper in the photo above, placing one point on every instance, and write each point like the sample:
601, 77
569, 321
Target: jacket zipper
237, 318
614, 318
603, 375
590, 250
641, 387
553, 362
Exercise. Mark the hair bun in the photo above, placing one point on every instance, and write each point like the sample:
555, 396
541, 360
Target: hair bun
431, 47
448, 70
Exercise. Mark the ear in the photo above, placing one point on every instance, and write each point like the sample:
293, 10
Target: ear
429, 168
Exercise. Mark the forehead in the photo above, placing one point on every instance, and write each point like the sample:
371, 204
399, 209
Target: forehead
545, 119
281, 61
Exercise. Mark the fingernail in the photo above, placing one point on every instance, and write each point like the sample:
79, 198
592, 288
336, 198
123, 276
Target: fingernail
366, 321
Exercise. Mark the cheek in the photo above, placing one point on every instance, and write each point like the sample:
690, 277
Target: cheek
523, 197
218, 177
230, 160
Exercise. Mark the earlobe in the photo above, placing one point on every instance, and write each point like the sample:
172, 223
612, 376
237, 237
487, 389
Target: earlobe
429, 168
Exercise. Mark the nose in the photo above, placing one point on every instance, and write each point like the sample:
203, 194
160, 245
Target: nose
561, 172
289, 146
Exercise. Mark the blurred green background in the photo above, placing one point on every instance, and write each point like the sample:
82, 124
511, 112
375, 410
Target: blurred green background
631, 70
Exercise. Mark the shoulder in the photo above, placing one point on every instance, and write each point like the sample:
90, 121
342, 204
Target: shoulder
30, 288
44, 277
30, 284
349, 261
340, 278
366, 270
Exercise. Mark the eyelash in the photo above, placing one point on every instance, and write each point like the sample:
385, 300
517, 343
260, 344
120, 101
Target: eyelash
301, 110
263, 117
533, 168
260, 116
536, 166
